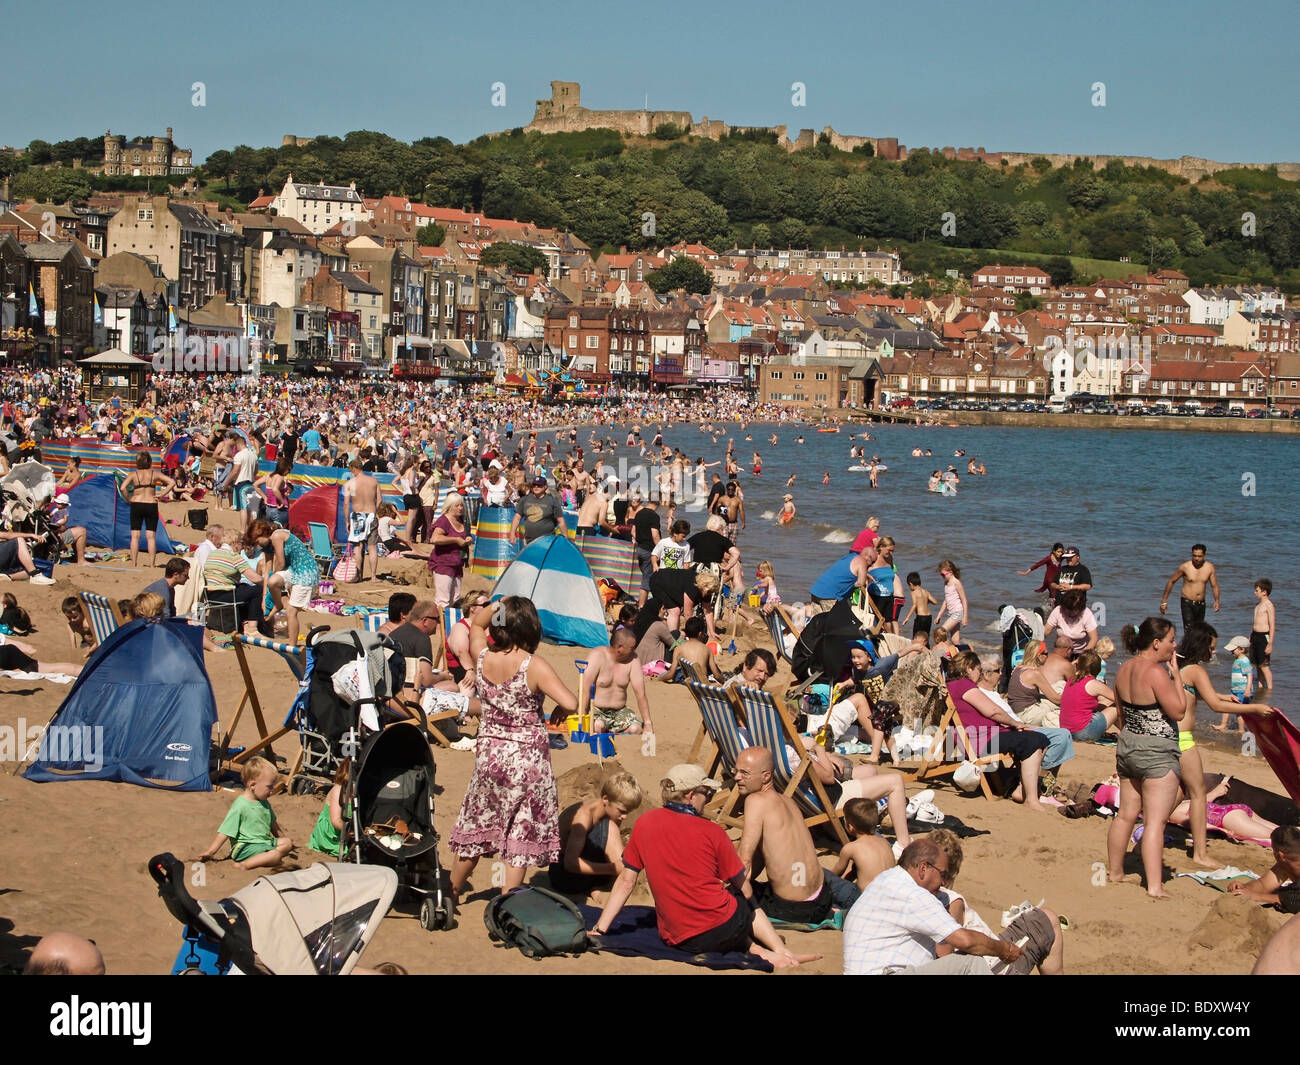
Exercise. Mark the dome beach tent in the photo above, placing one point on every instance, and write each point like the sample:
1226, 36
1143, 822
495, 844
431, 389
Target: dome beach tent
142, 712
97, 504
553, 574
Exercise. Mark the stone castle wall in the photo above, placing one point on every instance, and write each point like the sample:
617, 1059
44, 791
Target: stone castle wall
564, 113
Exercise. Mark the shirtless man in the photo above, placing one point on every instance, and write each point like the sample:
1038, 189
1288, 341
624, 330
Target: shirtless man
595, 508
223, 456
612, 670
775, 836
1281, 954
1058, 669
731, 508
1195, 574
361, 502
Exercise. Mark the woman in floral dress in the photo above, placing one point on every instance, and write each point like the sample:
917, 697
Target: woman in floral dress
511, 808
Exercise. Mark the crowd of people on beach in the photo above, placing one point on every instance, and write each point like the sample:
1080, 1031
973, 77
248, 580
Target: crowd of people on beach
896, 902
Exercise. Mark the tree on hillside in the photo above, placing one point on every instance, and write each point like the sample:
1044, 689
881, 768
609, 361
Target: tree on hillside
517, 258
220, 164
1061, 269
682, 272
432, 235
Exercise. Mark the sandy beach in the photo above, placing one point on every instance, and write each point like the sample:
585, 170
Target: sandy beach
74, 854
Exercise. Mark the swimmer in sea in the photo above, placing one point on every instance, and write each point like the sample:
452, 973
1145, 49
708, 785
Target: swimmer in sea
758, 463
786, 516
799, 439
826, 477
772, 439
790, 481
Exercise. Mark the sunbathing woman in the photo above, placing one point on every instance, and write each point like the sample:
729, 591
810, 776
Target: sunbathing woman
1235, 819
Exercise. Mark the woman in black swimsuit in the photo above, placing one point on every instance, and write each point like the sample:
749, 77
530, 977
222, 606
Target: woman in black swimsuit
1147, 756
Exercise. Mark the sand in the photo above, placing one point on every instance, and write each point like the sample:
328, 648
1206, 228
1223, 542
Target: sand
74, 854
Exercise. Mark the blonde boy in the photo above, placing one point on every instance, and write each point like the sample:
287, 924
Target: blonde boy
250, 827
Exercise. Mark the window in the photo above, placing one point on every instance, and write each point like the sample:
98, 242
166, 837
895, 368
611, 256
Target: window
288, 267
573, 321
372, 321
820, 375
776, 375
573, 340
593, 341
797, 375
144, 215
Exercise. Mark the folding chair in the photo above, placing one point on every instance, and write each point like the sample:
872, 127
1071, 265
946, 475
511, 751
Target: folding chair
936, 761
103, 615
323, 548
770, 726
295, 657
720, 725
375, 620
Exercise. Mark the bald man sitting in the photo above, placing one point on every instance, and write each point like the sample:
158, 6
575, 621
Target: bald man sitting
63, 954
775, 836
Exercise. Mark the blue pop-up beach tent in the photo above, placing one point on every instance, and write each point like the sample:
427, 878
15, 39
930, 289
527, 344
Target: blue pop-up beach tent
553, 574
142, 712
97, 504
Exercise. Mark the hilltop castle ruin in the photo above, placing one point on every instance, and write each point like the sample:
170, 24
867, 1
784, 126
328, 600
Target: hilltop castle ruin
564, 113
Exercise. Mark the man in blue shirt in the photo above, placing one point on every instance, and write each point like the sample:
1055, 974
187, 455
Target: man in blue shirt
176, 572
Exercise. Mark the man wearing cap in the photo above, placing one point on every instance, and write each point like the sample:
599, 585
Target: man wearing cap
537, 514
1072, 574
703, 901
1195, 574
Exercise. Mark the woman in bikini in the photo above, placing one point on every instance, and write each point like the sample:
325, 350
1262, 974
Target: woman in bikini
143, 484
1147, 756
273, 489
1235, 819
1198, 646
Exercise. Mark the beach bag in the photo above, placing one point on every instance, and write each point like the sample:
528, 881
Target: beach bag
198, 518
539, 922
346, 571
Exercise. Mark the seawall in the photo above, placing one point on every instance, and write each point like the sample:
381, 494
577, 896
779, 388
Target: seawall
1119, 421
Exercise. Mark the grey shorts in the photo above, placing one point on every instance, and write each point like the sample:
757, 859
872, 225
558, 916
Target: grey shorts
1146, 757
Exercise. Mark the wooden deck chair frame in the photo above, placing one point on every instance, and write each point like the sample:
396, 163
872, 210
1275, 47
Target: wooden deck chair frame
935, 763
770, 725
98, 610
721, 724
296, 659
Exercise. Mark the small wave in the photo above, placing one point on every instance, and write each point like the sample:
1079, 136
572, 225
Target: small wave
837, 536
768, 515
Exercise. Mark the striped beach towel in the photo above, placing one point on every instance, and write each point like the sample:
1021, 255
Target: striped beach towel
493, 548
610, 559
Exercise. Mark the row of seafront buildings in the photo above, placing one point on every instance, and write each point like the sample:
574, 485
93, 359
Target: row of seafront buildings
327, 276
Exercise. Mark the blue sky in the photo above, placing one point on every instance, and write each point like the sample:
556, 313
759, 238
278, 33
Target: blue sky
1187, 78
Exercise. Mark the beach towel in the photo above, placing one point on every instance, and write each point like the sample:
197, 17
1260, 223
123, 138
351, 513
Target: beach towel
1221, 879
53, 678
1279, 743
635, 934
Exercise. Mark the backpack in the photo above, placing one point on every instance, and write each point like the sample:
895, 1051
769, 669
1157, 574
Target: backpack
539, 922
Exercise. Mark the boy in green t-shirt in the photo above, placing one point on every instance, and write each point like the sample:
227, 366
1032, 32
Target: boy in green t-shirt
250, 826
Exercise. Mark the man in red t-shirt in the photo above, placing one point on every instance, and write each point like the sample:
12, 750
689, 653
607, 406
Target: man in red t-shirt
702, 897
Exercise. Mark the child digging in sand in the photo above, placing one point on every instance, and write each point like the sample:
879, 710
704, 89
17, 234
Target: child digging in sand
250, 827
591, 848
695, 650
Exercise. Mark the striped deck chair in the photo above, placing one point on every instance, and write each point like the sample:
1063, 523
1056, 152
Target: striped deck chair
102, 613
295, 657
722, 727
944, 756
493, 549
374, 620
770, 726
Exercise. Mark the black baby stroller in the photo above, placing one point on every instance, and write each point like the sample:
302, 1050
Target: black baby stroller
822, 650
349, 679
308, 922
390, 793
23, 512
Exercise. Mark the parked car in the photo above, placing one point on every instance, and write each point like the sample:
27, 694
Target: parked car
1217, 412
1237, 412
1257, 412
1277, 412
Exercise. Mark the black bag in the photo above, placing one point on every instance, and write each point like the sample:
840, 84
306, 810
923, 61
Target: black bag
198, 518
1288, 898
539, 922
